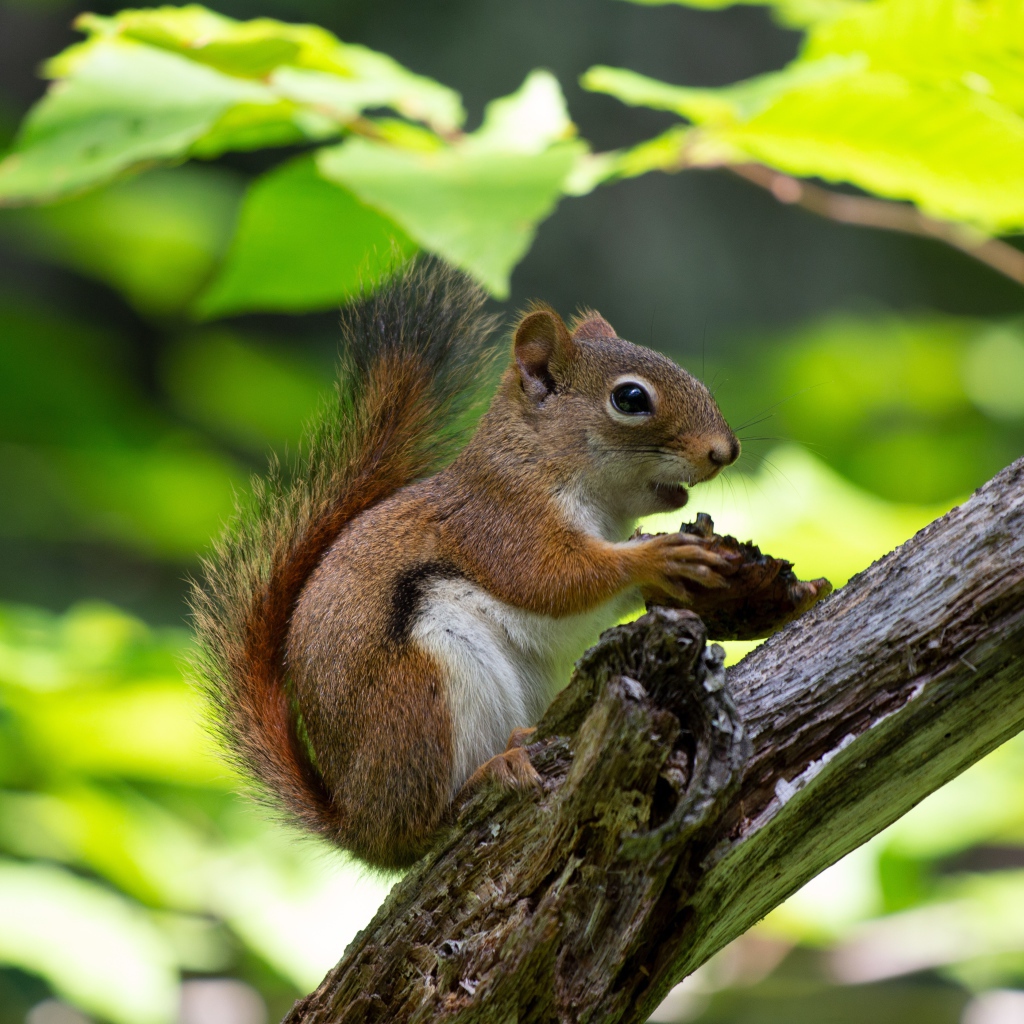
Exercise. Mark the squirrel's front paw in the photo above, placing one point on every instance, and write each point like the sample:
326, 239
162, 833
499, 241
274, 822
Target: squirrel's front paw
683, 557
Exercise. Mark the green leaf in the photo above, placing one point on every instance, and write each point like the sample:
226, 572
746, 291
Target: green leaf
994, 372
373, 80
529, 120
477, 201
95, 947
167, 499
906, 99
126, 106
793, 13
735, 103
302, 243
258, 395
303, 62
165, 84
156, 237
169, 846
477, 210
908, 409
85, 456
147, 730
247, 49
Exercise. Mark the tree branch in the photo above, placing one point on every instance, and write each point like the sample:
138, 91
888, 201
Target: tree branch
677, 811
885, 214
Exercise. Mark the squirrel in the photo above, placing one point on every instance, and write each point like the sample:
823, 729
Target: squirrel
379, 632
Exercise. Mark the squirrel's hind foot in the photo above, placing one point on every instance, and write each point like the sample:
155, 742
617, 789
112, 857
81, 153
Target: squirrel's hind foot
509, 770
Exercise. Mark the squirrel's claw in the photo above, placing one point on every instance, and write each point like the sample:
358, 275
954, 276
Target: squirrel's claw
705, 577
519, 737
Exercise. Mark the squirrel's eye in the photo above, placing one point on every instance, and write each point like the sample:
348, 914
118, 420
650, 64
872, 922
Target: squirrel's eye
631, 399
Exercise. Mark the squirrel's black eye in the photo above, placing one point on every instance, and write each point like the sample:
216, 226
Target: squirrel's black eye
631, 399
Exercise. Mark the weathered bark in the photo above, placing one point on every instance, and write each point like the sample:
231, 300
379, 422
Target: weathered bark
677, 811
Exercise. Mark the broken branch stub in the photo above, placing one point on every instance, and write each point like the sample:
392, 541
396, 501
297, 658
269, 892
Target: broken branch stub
565, 894
676, 812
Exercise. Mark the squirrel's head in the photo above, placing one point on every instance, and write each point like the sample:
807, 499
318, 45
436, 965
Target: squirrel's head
633, 420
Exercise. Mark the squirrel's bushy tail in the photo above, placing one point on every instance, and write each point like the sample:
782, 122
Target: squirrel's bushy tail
413, 353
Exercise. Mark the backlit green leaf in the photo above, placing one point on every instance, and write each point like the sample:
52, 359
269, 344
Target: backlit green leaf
161, 85
156, 237
302, 243
527, 121
909, 100
478, 210
258, 395
303, 62
87, 457
126, 105
908, 409
477, 201
94, 946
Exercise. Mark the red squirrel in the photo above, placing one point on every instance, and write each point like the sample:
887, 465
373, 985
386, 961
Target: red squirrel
379, 632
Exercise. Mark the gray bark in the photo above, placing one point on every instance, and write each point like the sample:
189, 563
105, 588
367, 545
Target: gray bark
678, 808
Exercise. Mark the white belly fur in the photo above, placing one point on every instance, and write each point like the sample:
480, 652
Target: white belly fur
503, 664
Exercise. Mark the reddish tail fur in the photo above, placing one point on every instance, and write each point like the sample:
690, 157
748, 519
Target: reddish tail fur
413, 352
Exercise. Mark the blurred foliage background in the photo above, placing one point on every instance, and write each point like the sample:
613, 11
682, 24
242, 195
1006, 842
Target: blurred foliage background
167, 322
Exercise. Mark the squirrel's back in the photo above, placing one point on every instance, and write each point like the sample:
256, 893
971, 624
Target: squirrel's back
413, 352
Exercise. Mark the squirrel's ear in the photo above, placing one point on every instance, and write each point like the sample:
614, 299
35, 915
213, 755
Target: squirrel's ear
590, 325
542, 349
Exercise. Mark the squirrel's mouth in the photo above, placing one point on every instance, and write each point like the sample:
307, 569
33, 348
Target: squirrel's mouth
673, 496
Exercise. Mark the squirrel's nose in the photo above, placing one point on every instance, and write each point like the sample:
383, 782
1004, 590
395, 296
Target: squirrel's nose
724, 451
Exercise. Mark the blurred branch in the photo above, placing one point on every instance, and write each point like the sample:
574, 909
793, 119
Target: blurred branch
885, 214
677, 811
